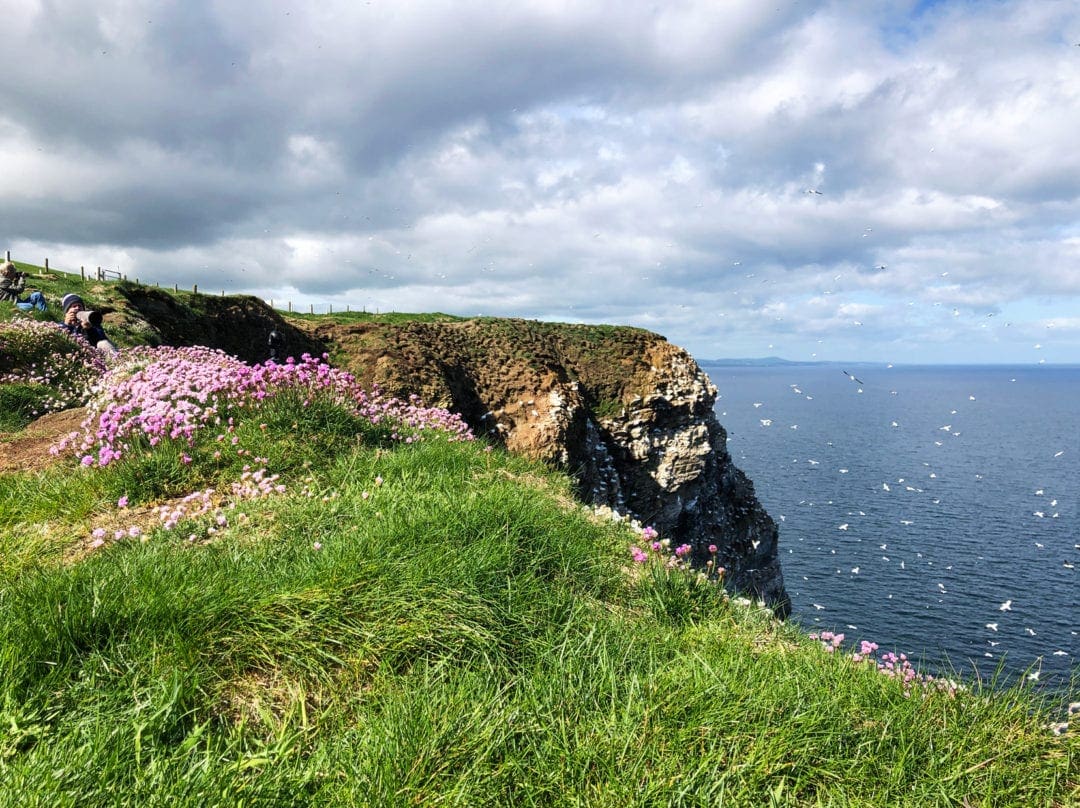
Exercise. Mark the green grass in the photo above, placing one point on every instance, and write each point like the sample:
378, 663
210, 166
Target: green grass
461, 636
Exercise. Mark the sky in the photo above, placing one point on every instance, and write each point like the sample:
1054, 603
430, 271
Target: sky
851, 181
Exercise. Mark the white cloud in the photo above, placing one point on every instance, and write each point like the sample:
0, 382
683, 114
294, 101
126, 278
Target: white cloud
732, 176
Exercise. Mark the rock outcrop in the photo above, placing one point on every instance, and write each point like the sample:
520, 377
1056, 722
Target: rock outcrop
626, 413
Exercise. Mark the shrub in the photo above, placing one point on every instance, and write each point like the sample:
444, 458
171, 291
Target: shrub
60, 368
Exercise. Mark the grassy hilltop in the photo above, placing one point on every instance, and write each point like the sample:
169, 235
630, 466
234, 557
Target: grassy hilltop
263, 586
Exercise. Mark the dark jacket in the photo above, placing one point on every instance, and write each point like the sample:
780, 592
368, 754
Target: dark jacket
11, 288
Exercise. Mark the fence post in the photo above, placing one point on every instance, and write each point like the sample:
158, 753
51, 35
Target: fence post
194, 288
99, 273
82, 272
175, 288
290, 305
330, 308
311, 308
46, 266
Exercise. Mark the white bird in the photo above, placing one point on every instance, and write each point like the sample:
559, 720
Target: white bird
1006, 606
817, 606
843, 526
854, 570
885, 487
992, 626
766, 422
1030, 631
758, 404
1034, 677
1060, 653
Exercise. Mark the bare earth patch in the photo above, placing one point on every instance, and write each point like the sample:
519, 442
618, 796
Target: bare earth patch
28, 450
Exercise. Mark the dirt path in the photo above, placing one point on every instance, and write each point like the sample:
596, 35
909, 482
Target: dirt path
28, 450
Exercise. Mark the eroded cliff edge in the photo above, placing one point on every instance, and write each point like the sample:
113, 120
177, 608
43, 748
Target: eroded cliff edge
626, 413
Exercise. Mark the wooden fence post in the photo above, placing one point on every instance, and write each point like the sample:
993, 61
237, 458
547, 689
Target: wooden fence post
290, 305
311, 308
82, 272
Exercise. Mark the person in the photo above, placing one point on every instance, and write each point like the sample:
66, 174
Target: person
12, 284
276, 343
88, 326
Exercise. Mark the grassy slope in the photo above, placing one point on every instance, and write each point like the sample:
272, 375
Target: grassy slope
462, 635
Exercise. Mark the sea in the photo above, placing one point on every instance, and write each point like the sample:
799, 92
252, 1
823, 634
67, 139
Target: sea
933, 510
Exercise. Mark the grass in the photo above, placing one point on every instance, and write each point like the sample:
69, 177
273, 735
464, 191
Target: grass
460, 636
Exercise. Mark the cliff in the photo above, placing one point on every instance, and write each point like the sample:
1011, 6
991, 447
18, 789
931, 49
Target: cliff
626, 413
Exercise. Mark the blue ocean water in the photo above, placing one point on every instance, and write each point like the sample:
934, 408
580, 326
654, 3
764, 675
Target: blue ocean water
933, 510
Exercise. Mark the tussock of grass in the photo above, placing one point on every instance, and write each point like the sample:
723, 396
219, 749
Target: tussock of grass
433, 624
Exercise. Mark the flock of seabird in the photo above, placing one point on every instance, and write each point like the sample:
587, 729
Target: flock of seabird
949, 430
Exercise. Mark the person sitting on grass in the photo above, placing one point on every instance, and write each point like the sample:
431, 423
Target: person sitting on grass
12, 284
86, 324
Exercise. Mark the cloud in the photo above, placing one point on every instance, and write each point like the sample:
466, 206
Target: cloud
734, 177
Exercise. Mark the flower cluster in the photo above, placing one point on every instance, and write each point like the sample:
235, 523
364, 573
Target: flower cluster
174, 393
895, 666
253, 484
672, 559
47, 355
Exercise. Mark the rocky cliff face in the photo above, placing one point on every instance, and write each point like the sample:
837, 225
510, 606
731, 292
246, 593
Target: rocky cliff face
629, 415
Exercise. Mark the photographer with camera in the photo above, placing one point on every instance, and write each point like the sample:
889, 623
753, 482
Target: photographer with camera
12, 284
85, 323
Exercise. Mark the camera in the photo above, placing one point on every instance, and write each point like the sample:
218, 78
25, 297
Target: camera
92, 317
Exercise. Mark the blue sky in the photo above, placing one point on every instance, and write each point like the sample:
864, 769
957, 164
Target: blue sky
875, 181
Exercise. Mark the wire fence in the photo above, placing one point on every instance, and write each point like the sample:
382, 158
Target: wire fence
113, 275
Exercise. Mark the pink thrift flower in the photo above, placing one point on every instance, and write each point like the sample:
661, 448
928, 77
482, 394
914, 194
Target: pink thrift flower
122, 502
